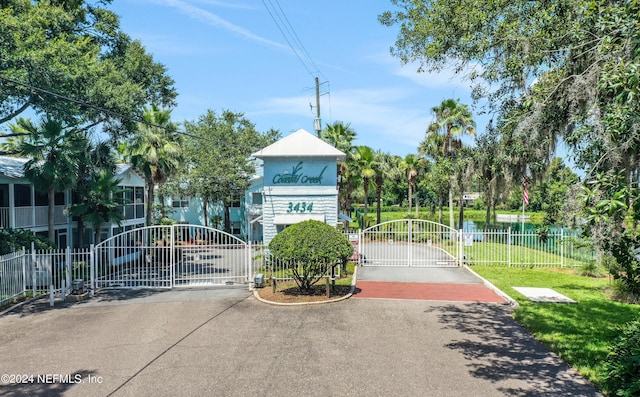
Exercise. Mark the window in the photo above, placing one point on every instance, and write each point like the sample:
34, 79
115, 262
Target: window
179, 202
22, 195
41, 199
4, 195
256, 198
139, 196
235, 228
128, 195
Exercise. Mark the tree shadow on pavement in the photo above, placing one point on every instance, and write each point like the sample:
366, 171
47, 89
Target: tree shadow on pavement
42, 304
498, 349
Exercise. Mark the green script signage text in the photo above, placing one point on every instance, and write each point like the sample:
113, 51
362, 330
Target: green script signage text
297, 176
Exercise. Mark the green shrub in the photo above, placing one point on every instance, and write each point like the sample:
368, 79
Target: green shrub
622, 367
12, 240
310, 249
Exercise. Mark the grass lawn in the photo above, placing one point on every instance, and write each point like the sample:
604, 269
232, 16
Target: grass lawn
582, 333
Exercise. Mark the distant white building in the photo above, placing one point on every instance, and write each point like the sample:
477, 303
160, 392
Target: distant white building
22, 207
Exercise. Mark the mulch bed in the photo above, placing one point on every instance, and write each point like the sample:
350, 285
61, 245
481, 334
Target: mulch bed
287, 292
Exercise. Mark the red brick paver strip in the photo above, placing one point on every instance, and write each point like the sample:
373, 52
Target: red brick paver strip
427, 291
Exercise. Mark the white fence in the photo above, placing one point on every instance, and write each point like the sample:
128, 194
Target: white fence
35, 272
273, 268
222, 259
559, 248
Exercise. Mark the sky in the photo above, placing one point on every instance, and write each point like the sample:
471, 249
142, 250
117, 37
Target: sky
232, 55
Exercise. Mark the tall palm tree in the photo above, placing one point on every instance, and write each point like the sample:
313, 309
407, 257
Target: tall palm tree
386, 169
97, 157
412, 166
104, 202
155, 151
366, 164
490, 160
452, 119
341, 136
53, 151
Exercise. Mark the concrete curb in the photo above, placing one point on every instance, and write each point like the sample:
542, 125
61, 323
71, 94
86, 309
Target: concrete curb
497, 290
349, 295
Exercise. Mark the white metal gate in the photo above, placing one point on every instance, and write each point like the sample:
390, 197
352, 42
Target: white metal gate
166, 256
410, 242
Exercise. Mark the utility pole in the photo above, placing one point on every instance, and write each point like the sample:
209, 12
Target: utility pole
317, 125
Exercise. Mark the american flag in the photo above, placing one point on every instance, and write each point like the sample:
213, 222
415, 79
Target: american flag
525, 193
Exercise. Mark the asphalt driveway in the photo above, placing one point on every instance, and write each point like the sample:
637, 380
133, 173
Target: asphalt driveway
223, 342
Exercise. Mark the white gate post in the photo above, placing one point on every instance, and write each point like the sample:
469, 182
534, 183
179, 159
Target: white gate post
360, 247
172, 250
33, 269
410, 237
92, 269
248, 247
67, 260
24, 271
509, 246
561, 247
460, 247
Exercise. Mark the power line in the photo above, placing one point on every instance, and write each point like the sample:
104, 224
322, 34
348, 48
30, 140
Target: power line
107, 111
288, 32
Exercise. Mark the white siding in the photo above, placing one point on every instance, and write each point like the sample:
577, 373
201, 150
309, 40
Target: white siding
325, 201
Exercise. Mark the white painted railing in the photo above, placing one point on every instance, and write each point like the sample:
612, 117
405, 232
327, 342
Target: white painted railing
222, 257
4, 217
559, 248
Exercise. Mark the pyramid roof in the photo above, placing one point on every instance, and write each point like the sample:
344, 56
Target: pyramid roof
300, 144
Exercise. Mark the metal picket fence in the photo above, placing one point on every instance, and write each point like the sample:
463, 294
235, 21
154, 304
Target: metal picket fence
31, 272
34, 272
273, 268
561, 248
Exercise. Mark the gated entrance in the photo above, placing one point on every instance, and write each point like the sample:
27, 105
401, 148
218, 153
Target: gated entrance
410, 242
166, 256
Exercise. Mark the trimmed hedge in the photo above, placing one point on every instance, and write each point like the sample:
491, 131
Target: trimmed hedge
310, 249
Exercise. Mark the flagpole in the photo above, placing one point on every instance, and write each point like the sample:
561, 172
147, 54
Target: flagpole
522, 220
525, 199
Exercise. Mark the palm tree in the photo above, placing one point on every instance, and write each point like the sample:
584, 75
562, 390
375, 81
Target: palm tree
365, 161
53, 151
341, 136
155, 151
98, 157
364, 164
452, 119
489, 159
104, 202
386, 168
411, 166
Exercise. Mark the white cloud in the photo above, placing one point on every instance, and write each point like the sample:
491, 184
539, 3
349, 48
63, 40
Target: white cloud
214, 20
167, 45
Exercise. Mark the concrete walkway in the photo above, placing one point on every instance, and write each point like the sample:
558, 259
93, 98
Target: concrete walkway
225, 343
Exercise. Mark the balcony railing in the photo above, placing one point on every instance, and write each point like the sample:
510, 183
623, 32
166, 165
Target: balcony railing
4, 217
32, 216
